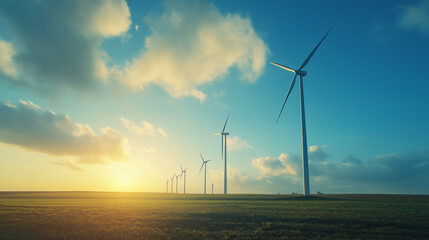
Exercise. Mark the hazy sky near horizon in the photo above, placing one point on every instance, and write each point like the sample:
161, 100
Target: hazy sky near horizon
113, 95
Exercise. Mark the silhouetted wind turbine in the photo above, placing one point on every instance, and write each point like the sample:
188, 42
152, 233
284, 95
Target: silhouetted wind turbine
205, 170
224, 134
184, 179
167, 184
301, 73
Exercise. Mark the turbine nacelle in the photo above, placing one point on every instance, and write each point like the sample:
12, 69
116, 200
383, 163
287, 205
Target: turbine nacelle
301, 72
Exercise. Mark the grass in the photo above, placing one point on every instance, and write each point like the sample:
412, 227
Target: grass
98, 215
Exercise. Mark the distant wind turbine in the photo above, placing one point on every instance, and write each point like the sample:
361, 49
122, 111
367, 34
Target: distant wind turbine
301, 73
224, 135
212, 187
205, 170
184, 178
167, 184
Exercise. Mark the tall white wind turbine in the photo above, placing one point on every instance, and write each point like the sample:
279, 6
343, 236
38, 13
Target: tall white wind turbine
184, 179
224, 135
205, 170
301, 73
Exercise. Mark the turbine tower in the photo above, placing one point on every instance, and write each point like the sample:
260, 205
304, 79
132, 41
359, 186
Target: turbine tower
177, 183
167, 184
184, 179
205, 170
212, 187
301, 73
224, 135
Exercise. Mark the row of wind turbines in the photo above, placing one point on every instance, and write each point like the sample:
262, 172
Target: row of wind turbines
223, 135
297, 72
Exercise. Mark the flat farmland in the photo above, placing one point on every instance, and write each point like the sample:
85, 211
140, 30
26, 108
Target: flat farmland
108, 215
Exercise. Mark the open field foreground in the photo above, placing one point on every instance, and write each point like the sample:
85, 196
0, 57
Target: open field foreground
97, 215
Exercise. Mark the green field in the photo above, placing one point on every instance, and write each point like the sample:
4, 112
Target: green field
97, 215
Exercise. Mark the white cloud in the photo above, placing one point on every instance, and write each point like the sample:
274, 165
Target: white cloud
31, 127
137, 27
7, 65
58, 43
285, 164
416, 17
236, 143
192, 44
145, 128
111, 18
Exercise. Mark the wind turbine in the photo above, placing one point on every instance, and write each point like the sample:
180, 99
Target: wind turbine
167, 184
184, 179
224, 134
301, 73
205, 170
212, 187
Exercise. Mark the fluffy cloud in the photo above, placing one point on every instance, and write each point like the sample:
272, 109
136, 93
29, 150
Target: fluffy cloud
236, 143
191, 44
111, 18
58, 42
145, 128
416, 17
7, 65
31, 127
283, 165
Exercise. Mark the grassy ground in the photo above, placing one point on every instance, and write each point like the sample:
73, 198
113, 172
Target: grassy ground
96, 215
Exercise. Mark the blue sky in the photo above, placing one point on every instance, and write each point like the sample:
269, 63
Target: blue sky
115, 95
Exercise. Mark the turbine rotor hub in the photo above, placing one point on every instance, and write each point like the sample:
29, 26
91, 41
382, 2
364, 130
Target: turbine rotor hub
225, 133
301, 72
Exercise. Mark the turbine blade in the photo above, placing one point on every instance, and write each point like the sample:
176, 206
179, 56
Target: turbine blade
224, 126
287, 95
314, 50
202, 159
181, 167
201, 167
282, 66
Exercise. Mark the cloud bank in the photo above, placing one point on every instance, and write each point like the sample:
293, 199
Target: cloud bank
193, 44
58, 43
27, 125
385, 173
